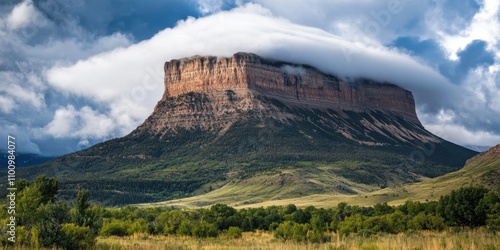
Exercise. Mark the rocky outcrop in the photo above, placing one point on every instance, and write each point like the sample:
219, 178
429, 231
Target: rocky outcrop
212, 93
295, 84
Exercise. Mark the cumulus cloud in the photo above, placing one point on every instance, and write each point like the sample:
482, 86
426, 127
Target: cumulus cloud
23, 96
24, 14
84, 123
71, 68
6, 104
30, 43
485, 26
252, 29
370, 21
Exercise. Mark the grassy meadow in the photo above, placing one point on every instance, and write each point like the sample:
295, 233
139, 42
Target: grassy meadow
466, 239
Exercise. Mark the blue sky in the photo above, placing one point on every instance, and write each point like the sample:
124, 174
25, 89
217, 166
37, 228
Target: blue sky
74, 73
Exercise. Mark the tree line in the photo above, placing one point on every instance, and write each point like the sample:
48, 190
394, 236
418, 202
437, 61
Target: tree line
44, 221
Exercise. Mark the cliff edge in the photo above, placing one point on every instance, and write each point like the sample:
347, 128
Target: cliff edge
294, 84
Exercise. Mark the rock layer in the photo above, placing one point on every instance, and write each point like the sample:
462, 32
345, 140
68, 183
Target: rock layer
213, 93
296, 84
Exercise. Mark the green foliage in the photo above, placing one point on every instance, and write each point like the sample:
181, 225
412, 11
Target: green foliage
233, 233
43, 221
290, 230
55, 224
424, 221
76, 237
48, 188
185, 228
492, 203
114, 227
203, 229
463, 207
493, 221
168, 222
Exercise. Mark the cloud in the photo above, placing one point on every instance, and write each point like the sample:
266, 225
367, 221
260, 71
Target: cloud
132, 77
84, 124
139, 19
69, 66
291, 70
367, 21
22, 134
22, 15
464, 136
253, 29
209, 6
6, 104
10, 85
485, 26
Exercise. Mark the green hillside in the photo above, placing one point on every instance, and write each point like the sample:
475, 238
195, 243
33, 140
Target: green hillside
483, 169
254, 153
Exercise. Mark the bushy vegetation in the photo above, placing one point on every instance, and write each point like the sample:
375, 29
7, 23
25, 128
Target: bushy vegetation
42, 221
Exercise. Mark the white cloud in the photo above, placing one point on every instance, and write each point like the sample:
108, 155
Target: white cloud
129, 81
125, 80
461, 135
11, 85
476, 115
71, 49
85, 124
371, 21
65, 120
209, 6
22, 15
485, 26
121, 73
6, 104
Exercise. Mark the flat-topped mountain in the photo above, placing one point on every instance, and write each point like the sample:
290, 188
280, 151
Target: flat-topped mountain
294, 84
214, 92
247, 121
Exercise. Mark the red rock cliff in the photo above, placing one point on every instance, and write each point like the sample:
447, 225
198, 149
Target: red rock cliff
298, 85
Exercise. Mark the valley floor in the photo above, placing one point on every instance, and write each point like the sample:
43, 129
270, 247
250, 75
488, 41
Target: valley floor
467, 239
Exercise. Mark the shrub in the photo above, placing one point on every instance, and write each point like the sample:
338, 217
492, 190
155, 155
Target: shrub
463, 207
493, 221
317, 236
233, 233
185, 228
204, 229
290, 230
76, 237
138, 226
114, 227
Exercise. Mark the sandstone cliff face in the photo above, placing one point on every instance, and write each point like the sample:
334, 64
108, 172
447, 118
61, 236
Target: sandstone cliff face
300, 85
211, 93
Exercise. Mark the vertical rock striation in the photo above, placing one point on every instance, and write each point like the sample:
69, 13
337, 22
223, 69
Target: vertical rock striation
211, 93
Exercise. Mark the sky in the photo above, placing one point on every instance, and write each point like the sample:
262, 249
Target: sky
77, 72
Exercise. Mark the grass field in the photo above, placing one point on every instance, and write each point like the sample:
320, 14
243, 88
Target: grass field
319, 187
468, 239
